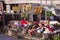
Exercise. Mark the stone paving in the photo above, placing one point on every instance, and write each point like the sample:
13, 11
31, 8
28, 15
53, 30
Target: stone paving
5, 37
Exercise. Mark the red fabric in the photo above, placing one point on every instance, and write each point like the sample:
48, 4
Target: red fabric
23, 22
36, 23
50, 29
42, 22
31, 33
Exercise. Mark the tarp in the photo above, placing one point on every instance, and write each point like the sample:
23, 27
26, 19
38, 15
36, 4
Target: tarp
26, 1
21, 1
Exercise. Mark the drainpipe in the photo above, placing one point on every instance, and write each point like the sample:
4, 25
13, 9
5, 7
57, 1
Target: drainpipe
45, 11
46, 3
3, 16
51, 2
40, 13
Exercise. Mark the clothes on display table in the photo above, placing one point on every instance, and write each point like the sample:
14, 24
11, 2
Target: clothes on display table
22, 22
50, 29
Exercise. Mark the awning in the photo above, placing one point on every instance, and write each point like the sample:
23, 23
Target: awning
27, 1
21, 1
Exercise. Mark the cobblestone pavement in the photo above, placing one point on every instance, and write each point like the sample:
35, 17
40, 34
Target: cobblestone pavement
5, 37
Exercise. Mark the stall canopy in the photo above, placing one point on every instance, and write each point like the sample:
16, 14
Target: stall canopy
21, 1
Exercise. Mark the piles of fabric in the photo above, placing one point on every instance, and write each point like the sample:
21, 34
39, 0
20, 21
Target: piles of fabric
39, 27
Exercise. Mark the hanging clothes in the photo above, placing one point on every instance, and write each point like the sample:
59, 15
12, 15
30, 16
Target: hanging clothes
24, 15
51, 18
35, 17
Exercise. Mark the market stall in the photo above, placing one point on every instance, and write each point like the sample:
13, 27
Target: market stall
32, 29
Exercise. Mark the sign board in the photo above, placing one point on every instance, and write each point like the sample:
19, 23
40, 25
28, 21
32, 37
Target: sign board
20, 6
15, 8
37, 9
27, 7
58, 6
7, 7
24, 15
48, 13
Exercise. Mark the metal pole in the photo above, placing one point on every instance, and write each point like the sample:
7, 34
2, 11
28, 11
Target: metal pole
12, 16
32, 8
46, 2
41, 3
45, 16
45, 11
3, 16
51, 2
40, 13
